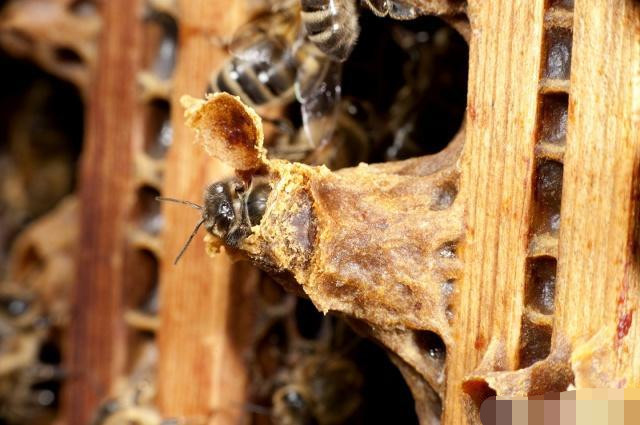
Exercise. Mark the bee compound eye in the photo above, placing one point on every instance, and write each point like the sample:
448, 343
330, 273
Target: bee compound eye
223, 217
225, 211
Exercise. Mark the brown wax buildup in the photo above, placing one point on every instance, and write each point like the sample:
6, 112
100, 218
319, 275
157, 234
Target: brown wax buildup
363, 241
227, 129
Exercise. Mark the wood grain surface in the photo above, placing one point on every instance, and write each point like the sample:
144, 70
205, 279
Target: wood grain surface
497, 166
598, 267
203, 321
97, 346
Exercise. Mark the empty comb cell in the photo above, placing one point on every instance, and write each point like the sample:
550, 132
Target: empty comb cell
159, 132
160, 39
147, 210
553, 118
548, 193
541, 284
535, 343
564, 4
557, 46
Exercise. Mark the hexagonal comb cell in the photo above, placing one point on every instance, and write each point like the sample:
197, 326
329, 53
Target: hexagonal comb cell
158, 131
553, 118
557, 46
541, 284
147, 210
478, 390
564, 4
431, 344
444, 195
535, 343
161, 40
142, 281
548, 193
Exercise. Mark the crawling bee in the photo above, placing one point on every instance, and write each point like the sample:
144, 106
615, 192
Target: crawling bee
321, 389
134, 400
28, 386
429, 92
230, 209
349, 145
309, 378
293, 52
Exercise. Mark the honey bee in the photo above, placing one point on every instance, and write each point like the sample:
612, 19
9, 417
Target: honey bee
321, 389
28, 386
28, 393
309, 378
294, 52
134, 401
332, 25
230, 209
349, 145
430, 75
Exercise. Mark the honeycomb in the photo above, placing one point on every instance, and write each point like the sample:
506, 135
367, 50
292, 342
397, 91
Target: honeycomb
60, 36
35, 314
356, 313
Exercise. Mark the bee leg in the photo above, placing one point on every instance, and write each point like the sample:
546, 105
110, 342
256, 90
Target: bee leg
236, 235
283, 125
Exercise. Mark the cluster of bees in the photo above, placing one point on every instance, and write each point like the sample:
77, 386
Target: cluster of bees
290, 59
294, 53
34, 313
39, 146
28, 384
302, 365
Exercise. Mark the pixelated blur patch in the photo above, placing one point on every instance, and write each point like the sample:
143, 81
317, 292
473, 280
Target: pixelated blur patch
584, 407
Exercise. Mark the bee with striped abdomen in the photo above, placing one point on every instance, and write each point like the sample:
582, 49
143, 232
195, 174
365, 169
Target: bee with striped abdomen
294, 52
332, 25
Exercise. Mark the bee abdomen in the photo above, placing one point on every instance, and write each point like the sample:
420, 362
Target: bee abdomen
238, 79
259, 82
332, 25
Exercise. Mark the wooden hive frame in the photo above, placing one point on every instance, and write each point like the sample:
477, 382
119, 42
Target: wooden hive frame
122, 135
551, 153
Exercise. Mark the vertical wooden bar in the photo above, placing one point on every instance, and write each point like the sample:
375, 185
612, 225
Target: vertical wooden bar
598, 267
97, 343
497, 167
201, 370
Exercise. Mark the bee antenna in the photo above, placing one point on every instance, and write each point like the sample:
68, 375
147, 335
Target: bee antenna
180, 201
186, 245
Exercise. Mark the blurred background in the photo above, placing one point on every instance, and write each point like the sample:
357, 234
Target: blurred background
96, 324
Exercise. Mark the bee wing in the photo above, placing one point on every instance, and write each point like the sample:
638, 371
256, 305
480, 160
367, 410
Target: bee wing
402, 10
379, 7
318, 91
246, 43
278, 26
396, 9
